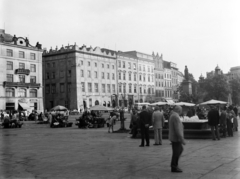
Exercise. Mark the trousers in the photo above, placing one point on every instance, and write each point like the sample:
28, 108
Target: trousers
214, 130
177, 150
158, 135
144, 135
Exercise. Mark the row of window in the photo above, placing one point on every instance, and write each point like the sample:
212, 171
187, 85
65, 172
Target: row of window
142, 90
105, 88
122, 64
62, 74
10, 92
89, 75
53, 89
159, 76
21, 54
21, 78
162, 93
21, 66
162, 84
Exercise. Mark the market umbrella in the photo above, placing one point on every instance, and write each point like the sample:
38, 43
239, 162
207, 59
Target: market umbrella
160, 103
59, 108
100, 108
184, 104
213, 101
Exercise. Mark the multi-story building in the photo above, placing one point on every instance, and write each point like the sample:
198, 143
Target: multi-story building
234, 73
79, 77
145, 80
21, 74
127, 79
174, 76
217, 71
167, 80
159, 77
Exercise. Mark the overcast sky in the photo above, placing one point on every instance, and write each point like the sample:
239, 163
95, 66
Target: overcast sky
198, 33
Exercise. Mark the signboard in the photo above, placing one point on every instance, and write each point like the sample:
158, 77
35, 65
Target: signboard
23, 100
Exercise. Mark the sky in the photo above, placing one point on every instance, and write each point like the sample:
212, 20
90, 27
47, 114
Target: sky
198, 33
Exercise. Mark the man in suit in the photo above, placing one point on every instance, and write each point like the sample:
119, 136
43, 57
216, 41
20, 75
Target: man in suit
158, 123
176, 137
144, 121
213, 121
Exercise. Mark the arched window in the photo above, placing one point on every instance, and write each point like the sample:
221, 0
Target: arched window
10, 92
33, 93
22, 93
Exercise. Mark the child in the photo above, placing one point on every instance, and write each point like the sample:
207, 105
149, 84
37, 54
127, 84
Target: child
111, 122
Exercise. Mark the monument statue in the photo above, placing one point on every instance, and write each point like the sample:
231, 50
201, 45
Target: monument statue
186, 73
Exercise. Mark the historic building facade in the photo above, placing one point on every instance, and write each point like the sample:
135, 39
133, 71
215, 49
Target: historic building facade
79, 77
234, 73
145, 78
159, 77
21, 74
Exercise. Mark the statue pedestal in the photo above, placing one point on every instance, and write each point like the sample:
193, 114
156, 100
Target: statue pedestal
187, 87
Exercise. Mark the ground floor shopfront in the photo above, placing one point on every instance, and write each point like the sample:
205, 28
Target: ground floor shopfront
27, 104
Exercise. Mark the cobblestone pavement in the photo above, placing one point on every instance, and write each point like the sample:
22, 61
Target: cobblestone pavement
38, 151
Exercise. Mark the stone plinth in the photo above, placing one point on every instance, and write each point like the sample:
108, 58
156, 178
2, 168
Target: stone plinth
187, 86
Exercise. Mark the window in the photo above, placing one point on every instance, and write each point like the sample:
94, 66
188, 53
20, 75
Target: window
108, 88
95, 64
32, 56
69, 73
124, 64
124, 76
149, 90
143, 67
152, 90
140, 90
89, 64
140, 68
130, 88
9, 65
140, 77
119, 64
108, 75
144, 90
22, 78
96, 87
148, 69
33, 93
148, 77
62, 87
83, 86
90, 87
48, 65
22, 65
81, 62
134, 66
102, 75
124, 88
112, 66
82, 73
32, 79
53, 64
21, 54
129, 65
53, 88
47, 76
53, 75
47, 89
10, 92
135, 89
108, 66
120, 88
69, 86
102, 65
9, 52
113, 76
119, 75
129, 76
103, 88
89, 74
95, 74
22, 92
135, 77
144, 77
61, 74
90, 102
33, 68
113, 88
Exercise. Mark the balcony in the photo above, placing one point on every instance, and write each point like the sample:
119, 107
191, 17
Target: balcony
18, 84
22, 71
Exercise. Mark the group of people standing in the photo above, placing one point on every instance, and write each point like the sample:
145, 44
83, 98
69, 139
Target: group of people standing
223, 121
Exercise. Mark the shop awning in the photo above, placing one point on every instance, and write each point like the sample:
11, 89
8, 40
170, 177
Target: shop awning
24, 106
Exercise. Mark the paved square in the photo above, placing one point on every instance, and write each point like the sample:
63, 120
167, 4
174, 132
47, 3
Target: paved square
38, 151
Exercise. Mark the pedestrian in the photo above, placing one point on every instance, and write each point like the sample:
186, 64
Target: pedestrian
213, 121
176, 137
223, 121
229, 123
158, 124
134, 123
235, 121
144, 122
112, 121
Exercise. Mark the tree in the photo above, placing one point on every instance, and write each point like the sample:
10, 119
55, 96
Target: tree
235, 90
216, 87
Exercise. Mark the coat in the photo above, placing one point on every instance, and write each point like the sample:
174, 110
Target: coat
175, 128
223, 118
144, 118
213, 117
157, 120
